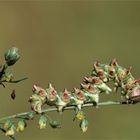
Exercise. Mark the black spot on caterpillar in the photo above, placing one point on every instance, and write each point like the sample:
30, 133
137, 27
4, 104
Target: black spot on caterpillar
91, 87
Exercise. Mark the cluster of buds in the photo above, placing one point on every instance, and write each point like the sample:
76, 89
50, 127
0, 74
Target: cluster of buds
11, 57
38, 99
89, 92
10, 128
122, 77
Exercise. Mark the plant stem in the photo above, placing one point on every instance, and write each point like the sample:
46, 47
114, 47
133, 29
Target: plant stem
66, 108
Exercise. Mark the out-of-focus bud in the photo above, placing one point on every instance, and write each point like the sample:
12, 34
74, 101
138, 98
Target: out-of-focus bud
10, 131
80, 115
12, 56
8, 76
21, 125
55, 124
42, 122
7, 124
84, 125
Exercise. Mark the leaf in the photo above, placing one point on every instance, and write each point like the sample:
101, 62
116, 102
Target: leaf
17, 81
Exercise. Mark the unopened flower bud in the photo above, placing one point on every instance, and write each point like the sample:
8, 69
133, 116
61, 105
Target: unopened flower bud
11, 56
84, 125
21, 125
10, 131
42, 122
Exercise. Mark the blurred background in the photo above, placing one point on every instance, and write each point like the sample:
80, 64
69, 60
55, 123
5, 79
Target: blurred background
59, 41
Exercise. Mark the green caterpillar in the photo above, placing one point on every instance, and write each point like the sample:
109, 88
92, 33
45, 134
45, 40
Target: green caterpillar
90, 89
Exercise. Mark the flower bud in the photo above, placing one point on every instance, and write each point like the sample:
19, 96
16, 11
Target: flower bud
84, 125
55, 124
7, 124
8, 76
21, 125
10, 131
80, 115
11, 56
36, 106
42, 122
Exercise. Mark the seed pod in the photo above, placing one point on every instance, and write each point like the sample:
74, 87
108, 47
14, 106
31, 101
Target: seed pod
42, 122
12, 56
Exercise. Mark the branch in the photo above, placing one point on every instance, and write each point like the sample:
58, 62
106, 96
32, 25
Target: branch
107, 103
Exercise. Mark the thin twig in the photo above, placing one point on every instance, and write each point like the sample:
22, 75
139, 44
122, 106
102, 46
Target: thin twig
66, 108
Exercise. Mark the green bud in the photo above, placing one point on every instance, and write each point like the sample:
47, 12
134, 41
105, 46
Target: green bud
7, 124
80, 115
84, 125
21, 125
42, 122
31, 115
8, 76
10, 131
55, 124
36, 106
11, 56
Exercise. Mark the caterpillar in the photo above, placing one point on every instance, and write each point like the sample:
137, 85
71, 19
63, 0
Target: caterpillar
90, 89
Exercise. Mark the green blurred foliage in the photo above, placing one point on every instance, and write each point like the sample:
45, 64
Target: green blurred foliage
58, 43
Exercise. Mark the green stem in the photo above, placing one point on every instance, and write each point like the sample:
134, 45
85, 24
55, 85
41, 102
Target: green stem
66, 108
